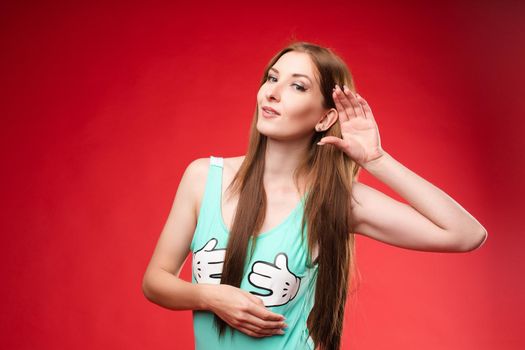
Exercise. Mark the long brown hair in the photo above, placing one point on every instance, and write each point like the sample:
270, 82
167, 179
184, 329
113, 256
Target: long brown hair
326, 213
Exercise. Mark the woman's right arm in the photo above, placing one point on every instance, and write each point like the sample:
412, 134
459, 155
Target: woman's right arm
161, 283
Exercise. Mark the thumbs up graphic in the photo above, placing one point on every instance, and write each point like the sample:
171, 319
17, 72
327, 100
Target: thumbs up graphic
207, 263
277, 279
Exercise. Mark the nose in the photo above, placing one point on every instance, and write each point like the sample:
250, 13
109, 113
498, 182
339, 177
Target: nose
272, 92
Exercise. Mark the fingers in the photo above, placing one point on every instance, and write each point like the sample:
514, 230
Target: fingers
263, 313
336, 141
366, 107
347, 100
264, 327
260, 333
258, 321
358, 108
343, 117
347, 103
260, 310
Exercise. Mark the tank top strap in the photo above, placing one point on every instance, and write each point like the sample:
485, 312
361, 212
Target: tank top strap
210, 210
217, 161
211, 202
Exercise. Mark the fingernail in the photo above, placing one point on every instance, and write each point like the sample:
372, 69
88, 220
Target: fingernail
281, 332
320, 143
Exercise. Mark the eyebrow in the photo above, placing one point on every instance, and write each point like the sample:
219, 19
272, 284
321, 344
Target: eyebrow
294, 75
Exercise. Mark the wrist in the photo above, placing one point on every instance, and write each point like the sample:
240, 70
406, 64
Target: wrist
376, 163
204, 294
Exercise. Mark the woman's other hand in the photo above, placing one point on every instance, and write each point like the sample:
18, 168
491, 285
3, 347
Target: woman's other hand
244, 311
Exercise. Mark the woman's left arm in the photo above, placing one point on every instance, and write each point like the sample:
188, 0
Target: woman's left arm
432, 221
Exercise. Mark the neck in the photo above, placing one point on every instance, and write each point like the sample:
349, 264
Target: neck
282, 158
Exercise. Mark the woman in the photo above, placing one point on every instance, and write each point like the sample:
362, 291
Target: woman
273, 254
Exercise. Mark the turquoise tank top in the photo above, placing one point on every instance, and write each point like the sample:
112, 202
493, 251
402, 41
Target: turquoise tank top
279, 272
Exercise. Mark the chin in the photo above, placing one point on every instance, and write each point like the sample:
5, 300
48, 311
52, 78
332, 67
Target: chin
265, 129
274, 133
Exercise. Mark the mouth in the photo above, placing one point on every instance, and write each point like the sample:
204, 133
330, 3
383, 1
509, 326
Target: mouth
269, 112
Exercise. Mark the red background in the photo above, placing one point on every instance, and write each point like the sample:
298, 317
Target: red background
103, 107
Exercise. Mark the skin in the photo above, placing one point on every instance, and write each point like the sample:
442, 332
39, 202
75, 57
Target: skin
297, 99
300, 113
429, 221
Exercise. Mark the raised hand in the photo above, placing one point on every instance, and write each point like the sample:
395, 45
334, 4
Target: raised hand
360, 136
207, 263
277, 279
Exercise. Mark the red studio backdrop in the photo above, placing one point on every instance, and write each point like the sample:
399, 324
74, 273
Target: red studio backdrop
104, 105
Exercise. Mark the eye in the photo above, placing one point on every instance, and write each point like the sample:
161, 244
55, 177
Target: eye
299, 87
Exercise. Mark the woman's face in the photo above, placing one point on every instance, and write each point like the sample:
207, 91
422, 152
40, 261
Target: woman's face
293, 91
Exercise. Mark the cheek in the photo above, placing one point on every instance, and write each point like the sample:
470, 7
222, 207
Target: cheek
302, 111
259, 97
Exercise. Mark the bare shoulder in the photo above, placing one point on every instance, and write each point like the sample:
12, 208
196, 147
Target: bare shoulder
197, 170
198, 167
197, 173
232, 164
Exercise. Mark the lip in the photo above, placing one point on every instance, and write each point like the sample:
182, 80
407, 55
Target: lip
267, 115
267, 112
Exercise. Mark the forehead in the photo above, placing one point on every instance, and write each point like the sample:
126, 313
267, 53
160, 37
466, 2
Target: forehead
296, 62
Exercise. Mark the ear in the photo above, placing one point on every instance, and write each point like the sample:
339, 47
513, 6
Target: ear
328, 119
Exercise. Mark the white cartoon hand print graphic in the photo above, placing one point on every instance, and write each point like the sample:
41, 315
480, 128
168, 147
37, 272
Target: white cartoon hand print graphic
276, 278
207, 263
